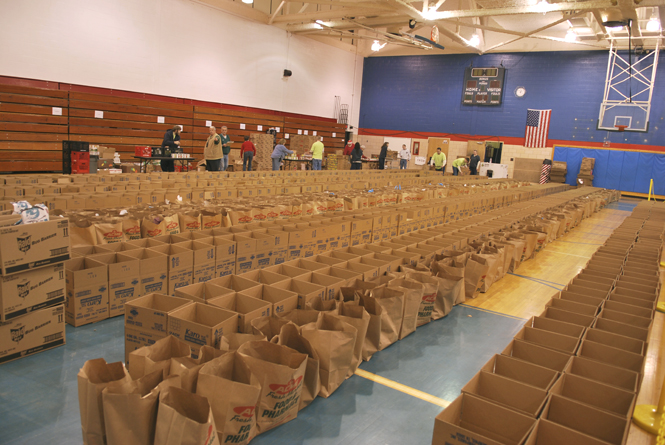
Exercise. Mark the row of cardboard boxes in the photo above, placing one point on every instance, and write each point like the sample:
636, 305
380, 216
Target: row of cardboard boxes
571, 375
206, 254
103, 272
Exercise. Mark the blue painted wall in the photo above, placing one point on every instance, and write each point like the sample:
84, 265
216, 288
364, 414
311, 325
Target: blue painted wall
424, 94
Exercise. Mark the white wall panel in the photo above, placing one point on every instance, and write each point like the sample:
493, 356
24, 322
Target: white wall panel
177, 48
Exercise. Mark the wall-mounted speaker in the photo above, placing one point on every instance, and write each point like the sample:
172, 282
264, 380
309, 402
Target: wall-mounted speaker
287, 73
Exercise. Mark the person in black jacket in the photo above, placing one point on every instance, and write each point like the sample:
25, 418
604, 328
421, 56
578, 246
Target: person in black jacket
172, 142
357, 157
473, 162
382, 156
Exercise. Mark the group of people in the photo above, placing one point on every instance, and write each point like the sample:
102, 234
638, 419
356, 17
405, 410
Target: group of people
218, 147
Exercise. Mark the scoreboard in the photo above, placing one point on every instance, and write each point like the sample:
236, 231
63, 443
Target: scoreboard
483, 86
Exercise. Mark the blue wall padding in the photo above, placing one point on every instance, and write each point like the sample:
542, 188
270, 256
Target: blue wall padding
628, 171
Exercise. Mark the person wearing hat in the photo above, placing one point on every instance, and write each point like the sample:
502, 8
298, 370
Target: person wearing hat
172, 142
213, 151
439, 161
457, 164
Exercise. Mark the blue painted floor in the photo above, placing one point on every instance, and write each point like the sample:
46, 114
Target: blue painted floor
39, 399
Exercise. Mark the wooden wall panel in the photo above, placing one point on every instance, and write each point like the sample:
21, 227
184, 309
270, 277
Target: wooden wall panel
33, 124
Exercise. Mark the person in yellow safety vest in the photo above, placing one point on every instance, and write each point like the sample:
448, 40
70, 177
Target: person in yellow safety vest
457, 163
439, 161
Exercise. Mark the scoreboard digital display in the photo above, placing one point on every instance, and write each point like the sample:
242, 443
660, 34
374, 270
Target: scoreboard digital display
483, 86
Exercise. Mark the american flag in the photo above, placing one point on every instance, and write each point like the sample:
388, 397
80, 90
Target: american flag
537, 128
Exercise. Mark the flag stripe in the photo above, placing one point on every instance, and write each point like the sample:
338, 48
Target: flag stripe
537, 128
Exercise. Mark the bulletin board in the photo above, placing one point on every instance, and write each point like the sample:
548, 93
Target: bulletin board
627, 171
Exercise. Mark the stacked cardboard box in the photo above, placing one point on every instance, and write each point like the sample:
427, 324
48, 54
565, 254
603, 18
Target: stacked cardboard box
572, 374
264, 146
558, 172
32, 286
301, 143
585, 177
527, 169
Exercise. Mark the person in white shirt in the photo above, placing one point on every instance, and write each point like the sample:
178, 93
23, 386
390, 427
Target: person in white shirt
404, 157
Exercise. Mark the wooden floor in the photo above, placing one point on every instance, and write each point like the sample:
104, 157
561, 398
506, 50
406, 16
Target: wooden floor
525, 294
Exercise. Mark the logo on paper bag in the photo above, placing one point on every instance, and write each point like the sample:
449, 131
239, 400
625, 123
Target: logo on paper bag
24, 243
133, 231
172, 225
192, 225
155, 232
212, 224
18, 333
243, 413
272, 215
260, 217
429, 298
23, 289
113, 234
245, 219
285, 389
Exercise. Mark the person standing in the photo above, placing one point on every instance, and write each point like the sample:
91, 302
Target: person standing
357, 157
278, 153
348, 148
439, 161
457, 163
317, 154
172, 142
473, 162
382, 156
404, 157
226, 148
213, 151
247, 152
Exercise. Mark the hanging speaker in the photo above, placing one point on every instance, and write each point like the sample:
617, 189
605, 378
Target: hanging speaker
287, 73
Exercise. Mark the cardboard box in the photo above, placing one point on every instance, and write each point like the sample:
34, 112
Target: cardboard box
150, 312
615, 340
200, 325
567, 317
586, 419
526, 399
559, 327
581, 298
469, 419
31, 290
283, 301
87, 292
35, 332
632, 301
202, 292
180, 265
538, 355
612, 356
123, 280
236, 283
631, 320
550, 433
628, 309
331, 284
247, 308
549, 339
599, 395
572, 306
622, 329
152, 269
521, 371
31, 246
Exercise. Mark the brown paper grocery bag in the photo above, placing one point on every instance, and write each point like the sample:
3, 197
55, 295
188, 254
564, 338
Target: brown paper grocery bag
392, 308
109, 232
237, 339
93, 378
448, 267
233, 393
413, 295
449, 292
373, 336
301, 317
157, 355
430, 288
280, 371
334, 341
190, 221
491, 256
131, 227
269, 327
290, 336
152, 226
356, 316
130, 408
317, 304
172, 224
184, 418
211, 220
474, 275
82, 233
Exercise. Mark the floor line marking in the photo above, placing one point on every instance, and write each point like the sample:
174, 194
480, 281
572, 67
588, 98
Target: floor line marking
570, 254
402, 388
482, 309
534, 278
575, 242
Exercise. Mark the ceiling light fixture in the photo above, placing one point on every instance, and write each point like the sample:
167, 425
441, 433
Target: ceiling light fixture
318, 24
475, 41
542, 6
377, 46
653, 25
431, 13
248, 2
570, 36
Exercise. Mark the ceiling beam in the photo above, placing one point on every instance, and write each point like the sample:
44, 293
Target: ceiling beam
274, 14
379, 22
481, 26
327, 15
237, 9
599, 21
359, 4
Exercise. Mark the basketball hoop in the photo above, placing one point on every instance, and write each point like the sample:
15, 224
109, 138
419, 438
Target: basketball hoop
621, 127
435, 34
